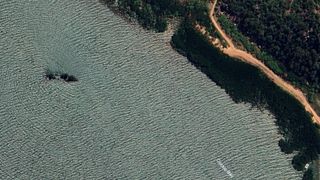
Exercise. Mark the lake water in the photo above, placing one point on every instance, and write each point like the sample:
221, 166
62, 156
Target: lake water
138, 111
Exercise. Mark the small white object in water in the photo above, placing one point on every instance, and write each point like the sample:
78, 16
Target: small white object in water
224, 168
306, 166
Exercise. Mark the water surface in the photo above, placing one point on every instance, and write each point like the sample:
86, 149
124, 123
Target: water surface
139, 110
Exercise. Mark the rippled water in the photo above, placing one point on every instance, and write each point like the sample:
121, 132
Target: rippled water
139, 110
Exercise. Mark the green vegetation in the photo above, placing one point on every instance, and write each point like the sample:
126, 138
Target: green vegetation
153, 14
308, 175
245, 43
238, 78
287, 30
150, 14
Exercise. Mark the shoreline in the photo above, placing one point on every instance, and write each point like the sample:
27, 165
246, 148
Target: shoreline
299, 136
239, 72
246, 57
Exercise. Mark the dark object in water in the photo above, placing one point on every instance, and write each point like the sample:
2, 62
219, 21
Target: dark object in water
50, 76
64, 76
68, 78
71, 78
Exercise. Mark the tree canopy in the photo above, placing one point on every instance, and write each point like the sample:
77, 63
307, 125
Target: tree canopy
288, 30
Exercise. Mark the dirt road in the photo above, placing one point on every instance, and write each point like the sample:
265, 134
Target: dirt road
232, 51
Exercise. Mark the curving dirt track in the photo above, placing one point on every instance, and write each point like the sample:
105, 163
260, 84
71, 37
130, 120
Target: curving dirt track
232, 51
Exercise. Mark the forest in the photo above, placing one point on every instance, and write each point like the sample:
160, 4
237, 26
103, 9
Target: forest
154, 14
289, 30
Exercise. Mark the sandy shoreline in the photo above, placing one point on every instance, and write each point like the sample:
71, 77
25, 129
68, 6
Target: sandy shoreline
232, 51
